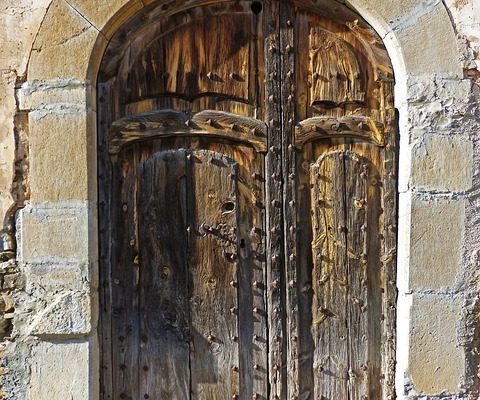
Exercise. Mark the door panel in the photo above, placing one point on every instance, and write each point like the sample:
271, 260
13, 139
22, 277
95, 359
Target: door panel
248, 204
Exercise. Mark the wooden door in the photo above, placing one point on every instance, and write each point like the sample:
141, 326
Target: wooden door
247, 205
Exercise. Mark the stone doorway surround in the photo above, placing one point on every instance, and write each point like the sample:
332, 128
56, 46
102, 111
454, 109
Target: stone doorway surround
53, 350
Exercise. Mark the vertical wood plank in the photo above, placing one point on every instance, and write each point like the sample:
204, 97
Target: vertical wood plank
212, 203
163, 368
356, 205
105, 180
274, 201
288, 93
329, 278
389, 258
125, 322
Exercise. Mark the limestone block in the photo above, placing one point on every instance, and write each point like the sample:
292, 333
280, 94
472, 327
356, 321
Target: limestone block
7, 140
101, 12
59, 371
442, 163
49, 94
54, 278
437, 230
19, 20
418, 42
63, 46
436, 362
65, 314
49, 234
58, 160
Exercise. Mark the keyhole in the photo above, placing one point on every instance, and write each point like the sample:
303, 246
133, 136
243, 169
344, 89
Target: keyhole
257, 7
242, 243
229, 206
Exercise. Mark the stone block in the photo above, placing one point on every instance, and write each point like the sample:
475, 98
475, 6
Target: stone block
437, 230
58, 159
64, 44
101, 12
59, 371
436, 362
442, 163
54, 278
48, 94
433, 26
49, 234
66, 314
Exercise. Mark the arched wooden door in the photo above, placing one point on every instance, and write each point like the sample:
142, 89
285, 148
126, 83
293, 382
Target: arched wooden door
247, 204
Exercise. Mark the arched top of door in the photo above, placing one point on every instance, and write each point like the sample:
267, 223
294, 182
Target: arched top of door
176, 49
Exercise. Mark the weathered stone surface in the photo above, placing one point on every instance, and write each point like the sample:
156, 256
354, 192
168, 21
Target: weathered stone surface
437, 229
50, 234
430, 27
63, 46
7, 139
41, 279
51, 94
59, 371
58, 160
101, 12
436, 362
442, 163
65, 314
20, 20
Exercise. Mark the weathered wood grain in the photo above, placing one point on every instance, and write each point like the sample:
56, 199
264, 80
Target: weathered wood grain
288, 67
163, 367
351, 126
274, 204
169, 123
330, 278
337, 74
212, 258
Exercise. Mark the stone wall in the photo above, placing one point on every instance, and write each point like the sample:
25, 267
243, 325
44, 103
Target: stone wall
49, 54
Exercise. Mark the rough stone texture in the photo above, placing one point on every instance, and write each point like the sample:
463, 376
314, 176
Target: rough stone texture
436, 359
437, 228
54, 233
65, 36
442, 163
58, 143
68, 314
59, 371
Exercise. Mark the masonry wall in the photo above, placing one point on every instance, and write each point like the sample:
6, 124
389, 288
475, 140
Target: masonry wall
49, 54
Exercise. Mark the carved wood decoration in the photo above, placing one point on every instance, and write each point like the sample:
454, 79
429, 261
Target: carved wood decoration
247, 175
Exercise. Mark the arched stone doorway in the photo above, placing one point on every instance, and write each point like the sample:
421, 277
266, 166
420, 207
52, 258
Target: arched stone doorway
247, 204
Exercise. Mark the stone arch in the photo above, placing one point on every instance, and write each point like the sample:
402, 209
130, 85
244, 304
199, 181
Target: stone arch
62, 74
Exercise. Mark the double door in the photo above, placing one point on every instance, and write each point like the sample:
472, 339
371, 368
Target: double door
251, 211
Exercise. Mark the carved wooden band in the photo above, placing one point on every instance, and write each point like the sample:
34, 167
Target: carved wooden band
330, 127
169, 123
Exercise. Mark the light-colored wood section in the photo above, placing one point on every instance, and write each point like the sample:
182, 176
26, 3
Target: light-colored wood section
208, 55
168, 123
337, 74
329, 279
212, 259
351, 126
163, 366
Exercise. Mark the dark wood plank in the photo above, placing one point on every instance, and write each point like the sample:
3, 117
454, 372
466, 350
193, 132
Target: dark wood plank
288, 89
274, 204
163, 367
125, 315
329, 278
212, 204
